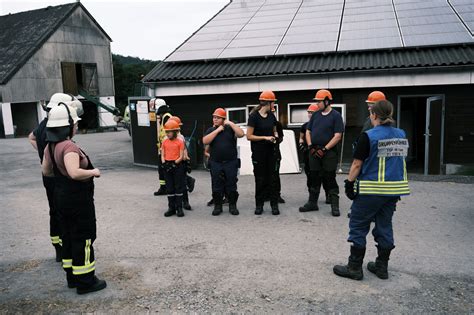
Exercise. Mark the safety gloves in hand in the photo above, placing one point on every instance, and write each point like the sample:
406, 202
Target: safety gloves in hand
349, 189
302, 147
318, 152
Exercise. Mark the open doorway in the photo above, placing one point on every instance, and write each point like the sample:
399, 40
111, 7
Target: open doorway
25, 118
90, 118
422, 118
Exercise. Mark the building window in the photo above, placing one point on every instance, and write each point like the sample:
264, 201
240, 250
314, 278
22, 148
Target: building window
237, 115
79, 77
298, 115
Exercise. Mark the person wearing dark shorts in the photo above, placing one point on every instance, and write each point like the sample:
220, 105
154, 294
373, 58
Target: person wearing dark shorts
262, 133
324, 131
223, 161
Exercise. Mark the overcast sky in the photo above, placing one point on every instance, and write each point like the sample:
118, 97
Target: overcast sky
149, 29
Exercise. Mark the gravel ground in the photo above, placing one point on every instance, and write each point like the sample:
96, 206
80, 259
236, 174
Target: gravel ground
227, 264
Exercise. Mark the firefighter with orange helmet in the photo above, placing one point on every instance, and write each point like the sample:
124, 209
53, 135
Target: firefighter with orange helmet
371, 99
172, 155
223, 161
263, 137
303, 147
324, 131
189, 181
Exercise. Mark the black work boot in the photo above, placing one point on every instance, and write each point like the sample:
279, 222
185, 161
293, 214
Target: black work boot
334, 198
275, 210
233, 197
281, 200
379, 267
59, 254
312, 204
171, 206
179, 211
179, 206
259, 209
96, 286
210, 202
217, 204
161, 191
328, 198
353, 269
186, 205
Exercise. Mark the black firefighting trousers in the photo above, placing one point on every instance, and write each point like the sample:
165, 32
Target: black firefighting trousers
54, 222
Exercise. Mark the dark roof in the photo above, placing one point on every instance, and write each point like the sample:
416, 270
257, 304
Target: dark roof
22, 34
406, 58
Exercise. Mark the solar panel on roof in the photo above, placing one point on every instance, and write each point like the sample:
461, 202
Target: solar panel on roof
419, 23
465, 9
249, 28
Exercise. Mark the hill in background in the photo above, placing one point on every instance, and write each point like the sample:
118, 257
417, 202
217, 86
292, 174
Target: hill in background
128, 72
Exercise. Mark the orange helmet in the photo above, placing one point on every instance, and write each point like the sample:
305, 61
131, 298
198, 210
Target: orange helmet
220, 112
322, 95
177, 119
267, 96
172, 125
313, 108
375, 96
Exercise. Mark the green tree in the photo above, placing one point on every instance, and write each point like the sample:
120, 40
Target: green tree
128, 72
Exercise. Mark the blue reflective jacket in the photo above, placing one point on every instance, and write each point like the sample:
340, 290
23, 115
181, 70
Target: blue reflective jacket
384, 171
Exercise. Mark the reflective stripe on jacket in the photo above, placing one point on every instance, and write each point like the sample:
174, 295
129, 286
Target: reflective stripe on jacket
384, 171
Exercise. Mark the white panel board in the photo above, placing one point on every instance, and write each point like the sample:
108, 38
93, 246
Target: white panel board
289, 162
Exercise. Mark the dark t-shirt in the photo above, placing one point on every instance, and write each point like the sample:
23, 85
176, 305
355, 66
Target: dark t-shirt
224, 145
262, 127
323, 127
40, 135
362, 149
303, 131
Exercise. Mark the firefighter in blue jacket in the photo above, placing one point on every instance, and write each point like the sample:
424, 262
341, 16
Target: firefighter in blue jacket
376, 180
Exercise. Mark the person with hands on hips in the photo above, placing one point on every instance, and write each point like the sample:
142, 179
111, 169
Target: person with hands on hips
172, 154
323, 133
262, 133
377, 179
223, 161
73, 197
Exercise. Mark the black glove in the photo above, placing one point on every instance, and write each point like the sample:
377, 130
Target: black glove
318, 152
188, 166
302, 147
349, 188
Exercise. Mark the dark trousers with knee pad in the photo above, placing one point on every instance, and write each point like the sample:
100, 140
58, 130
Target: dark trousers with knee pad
75, 202
366, 209
175, 185
323, 170
224, 176
265, 164
54, 221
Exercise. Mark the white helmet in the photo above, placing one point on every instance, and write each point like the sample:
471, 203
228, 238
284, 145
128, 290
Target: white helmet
60, 116
67, 99
159, 102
